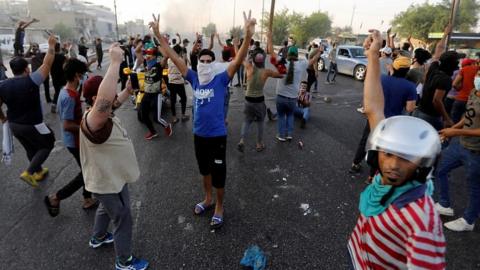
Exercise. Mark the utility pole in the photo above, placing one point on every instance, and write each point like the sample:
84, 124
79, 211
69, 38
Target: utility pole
453, 15
234, 6
116, 17
263, 12
353, 15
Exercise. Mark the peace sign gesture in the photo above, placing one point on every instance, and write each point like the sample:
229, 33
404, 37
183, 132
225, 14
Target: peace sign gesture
155, 26
249, 24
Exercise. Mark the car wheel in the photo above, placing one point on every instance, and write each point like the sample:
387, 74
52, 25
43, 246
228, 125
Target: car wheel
321, 65
359, 72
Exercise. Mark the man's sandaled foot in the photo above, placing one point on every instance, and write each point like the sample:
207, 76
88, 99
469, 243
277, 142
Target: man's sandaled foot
53, 211
241, 147
201, 208
260, 147
216, 223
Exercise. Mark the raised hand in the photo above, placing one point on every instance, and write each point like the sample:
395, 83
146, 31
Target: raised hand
155, 26
373, 43
116, 53
249, 24
52, 40
236, 41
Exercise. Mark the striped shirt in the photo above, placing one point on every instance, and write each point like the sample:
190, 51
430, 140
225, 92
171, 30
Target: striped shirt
408, 237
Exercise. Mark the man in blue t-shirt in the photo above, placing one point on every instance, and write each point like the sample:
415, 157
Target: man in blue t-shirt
400, 95
70, 114
21, 94
210, 133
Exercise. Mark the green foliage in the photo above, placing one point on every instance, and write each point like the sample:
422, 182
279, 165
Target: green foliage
302, 28
210, 29
236, 31
63, 31
420, 20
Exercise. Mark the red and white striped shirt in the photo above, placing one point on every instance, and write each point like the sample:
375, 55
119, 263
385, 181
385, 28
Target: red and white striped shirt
410, 237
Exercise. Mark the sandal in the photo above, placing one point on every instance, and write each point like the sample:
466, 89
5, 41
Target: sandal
90, 203
201, 208
216, 223
52, 210
260, 147
241, 147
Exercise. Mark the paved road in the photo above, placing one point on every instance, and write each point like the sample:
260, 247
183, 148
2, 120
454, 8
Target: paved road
264, 198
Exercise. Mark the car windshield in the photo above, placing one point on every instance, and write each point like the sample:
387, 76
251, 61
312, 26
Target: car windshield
357, 52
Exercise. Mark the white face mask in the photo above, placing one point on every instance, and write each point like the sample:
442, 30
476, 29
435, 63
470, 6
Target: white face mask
205, 73
476, 82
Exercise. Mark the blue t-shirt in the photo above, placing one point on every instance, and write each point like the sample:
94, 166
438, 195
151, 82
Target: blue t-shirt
66, 111
397, 91
209, 101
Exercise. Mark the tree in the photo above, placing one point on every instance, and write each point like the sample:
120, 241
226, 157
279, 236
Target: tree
210, 29
236, 31
63, 31
302, 28
420, 20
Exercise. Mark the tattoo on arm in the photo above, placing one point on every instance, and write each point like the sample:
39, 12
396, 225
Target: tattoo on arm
103, 105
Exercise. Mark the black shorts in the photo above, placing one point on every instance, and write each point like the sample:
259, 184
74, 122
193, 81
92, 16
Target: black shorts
210, 153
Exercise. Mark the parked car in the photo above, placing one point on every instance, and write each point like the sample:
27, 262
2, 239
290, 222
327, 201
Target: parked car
351, 60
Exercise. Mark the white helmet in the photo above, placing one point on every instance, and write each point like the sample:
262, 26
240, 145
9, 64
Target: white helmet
408, 137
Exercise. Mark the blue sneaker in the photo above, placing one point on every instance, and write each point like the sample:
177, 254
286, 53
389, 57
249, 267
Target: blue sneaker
132, 264
95, 242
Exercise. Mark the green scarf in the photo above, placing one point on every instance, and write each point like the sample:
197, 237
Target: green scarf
372, 195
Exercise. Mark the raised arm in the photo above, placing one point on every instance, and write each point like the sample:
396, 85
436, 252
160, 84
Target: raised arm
219, 40
165, 49
44, 69
242, 53
373, 100
210, 46
138, 55
442, 44
102, 108
27, 24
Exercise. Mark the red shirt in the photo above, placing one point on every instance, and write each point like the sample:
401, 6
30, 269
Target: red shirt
468, 74
399, 238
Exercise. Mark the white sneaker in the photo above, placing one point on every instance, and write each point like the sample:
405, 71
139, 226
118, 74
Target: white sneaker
459, 225
445, 211
361, 110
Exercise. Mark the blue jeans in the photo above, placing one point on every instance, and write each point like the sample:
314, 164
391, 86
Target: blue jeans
302, 113
332, 69
285, 109
454, 156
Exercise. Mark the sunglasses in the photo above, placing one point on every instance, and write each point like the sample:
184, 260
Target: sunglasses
205, 61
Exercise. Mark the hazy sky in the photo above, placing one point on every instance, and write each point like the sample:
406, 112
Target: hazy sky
191, 15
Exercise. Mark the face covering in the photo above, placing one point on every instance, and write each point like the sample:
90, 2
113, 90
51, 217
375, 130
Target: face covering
476, 82
205, 73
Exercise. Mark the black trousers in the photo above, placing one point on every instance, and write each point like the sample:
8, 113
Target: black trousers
147, 107
38, 146
77, 182
177, 89
361, 153
311, 78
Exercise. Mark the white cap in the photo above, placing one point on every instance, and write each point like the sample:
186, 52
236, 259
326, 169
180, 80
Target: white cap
386, 50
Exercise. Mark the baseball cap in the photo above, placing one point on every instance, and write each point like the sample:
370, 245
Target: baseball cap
90, 88
468, 61
386, 50
401, 62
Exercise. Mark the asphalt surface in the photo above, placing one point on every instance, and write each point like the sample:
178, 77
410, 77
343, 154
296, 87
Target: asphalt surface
298, 205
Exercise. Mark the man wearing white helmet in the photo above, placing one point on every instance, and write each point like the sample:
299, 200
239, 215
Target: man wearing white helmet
398, 227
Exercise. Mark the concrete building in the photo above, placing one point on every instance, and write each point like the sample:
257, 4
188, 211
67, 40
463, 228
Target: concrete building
85, 18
